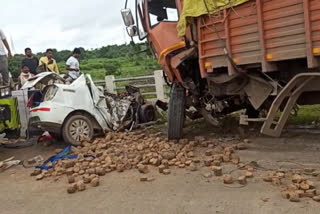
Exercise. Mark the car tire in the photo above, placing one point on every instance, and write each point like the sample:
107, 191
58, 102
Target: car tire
147, 113
176, 113
76, 128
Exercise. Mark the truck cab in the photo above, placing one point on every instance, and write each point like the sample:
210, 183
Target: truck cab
156, 22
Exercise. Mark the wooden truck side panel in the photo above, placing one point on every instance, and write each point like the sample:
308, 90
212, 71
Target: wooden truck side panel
260, 32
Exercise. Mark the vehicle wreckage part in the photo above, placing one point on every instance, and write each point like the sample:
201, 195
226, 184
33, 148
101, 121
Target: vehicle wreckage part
208, 117
244, 120
77, 128
304, 82
258, 91
147, 113
176, 114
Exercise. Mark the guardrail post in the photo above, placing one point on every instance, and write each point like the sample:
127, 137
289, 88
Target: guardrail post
159, 82
110, 85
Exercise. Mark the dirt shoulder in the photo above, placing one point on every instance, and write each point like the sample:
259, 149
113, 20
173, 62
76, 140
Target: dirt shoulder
182, 191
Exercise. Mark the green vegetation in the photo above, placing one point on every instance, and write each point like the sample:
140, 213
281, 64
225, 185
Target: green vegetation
119, 60
307, 115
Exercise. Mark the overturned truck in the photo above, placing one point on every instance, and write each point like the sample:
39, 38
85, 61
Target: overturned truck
220, 56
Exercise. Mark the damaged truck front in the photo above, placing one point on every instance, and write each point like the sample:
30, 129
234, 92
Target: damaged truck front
221, 56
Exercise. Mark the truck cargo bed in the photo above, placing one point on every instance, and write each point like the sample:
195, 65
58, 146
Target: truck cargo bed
260, 32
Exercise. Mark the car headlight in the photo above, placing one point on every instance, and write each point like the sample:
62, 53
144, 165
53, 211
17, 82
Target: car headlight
50, 92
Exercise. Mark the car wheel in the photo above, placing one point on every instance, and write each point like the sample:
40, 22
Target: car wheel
176, 114
147, 114
77, 128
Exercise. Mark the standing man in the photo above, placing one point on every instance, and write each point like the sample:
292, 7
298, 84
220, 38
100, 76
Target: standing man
49, 62
4, 59
72, 63
30, 61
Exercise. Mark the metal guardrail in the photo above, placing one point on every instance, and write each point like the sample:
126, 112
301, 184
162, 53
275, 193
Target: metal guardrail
134, 78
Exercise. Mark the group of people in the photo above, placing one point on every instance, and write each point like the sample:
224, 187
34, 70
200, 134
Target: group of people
31, 65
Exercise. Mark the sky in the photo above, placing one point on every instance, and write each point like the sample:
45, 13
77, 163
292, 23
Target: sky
62, 24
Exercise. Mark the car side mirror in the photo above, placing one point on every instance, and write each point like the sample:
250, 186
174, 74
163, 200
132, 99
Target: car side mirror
127, 17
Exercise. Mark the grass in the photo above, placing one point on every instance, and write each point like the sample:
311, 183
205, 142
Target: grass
307, 115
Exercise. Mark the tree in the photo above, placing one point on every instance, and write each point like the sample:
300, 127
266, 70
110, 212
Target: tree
15, 65
126, 59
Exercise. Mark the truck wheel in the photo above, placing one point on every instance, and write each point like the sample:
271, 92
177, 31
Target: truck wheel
176, 114
77, 128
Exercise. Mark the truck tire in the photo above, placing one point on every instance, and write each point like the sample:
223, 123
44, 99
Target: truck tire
176, 114
76, 128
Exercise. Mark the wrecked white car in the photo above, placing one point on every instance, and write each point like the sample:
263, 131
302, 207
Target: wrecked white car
81, 110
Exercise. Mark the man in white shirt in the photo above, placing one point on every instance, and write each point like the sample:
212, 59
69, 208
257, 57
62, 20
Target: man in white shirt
4, 59
72, 63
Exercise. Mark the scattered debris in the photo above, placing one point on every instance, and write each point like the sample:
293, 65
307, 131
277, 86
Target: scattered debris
192, 168
207, 175
227, 179
125, 151
72, 188
294, 197
136, 150
146, 179
217, 170
249, 174
246, 141
242, 180
166, 172
36, 172
242, 146
295, 185
151, 179
40, 176
316, 198
32, 162
95, 182
8, 163
71, 179
143, 168
81, 186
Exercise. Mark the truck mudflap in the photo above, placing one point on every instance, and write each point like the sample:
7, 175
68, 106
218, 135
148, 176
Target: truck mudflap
304, 82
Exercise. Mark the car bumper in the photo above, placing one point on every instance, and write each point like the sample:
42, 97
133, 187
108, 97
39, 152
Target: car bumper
47, 119
35, 122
